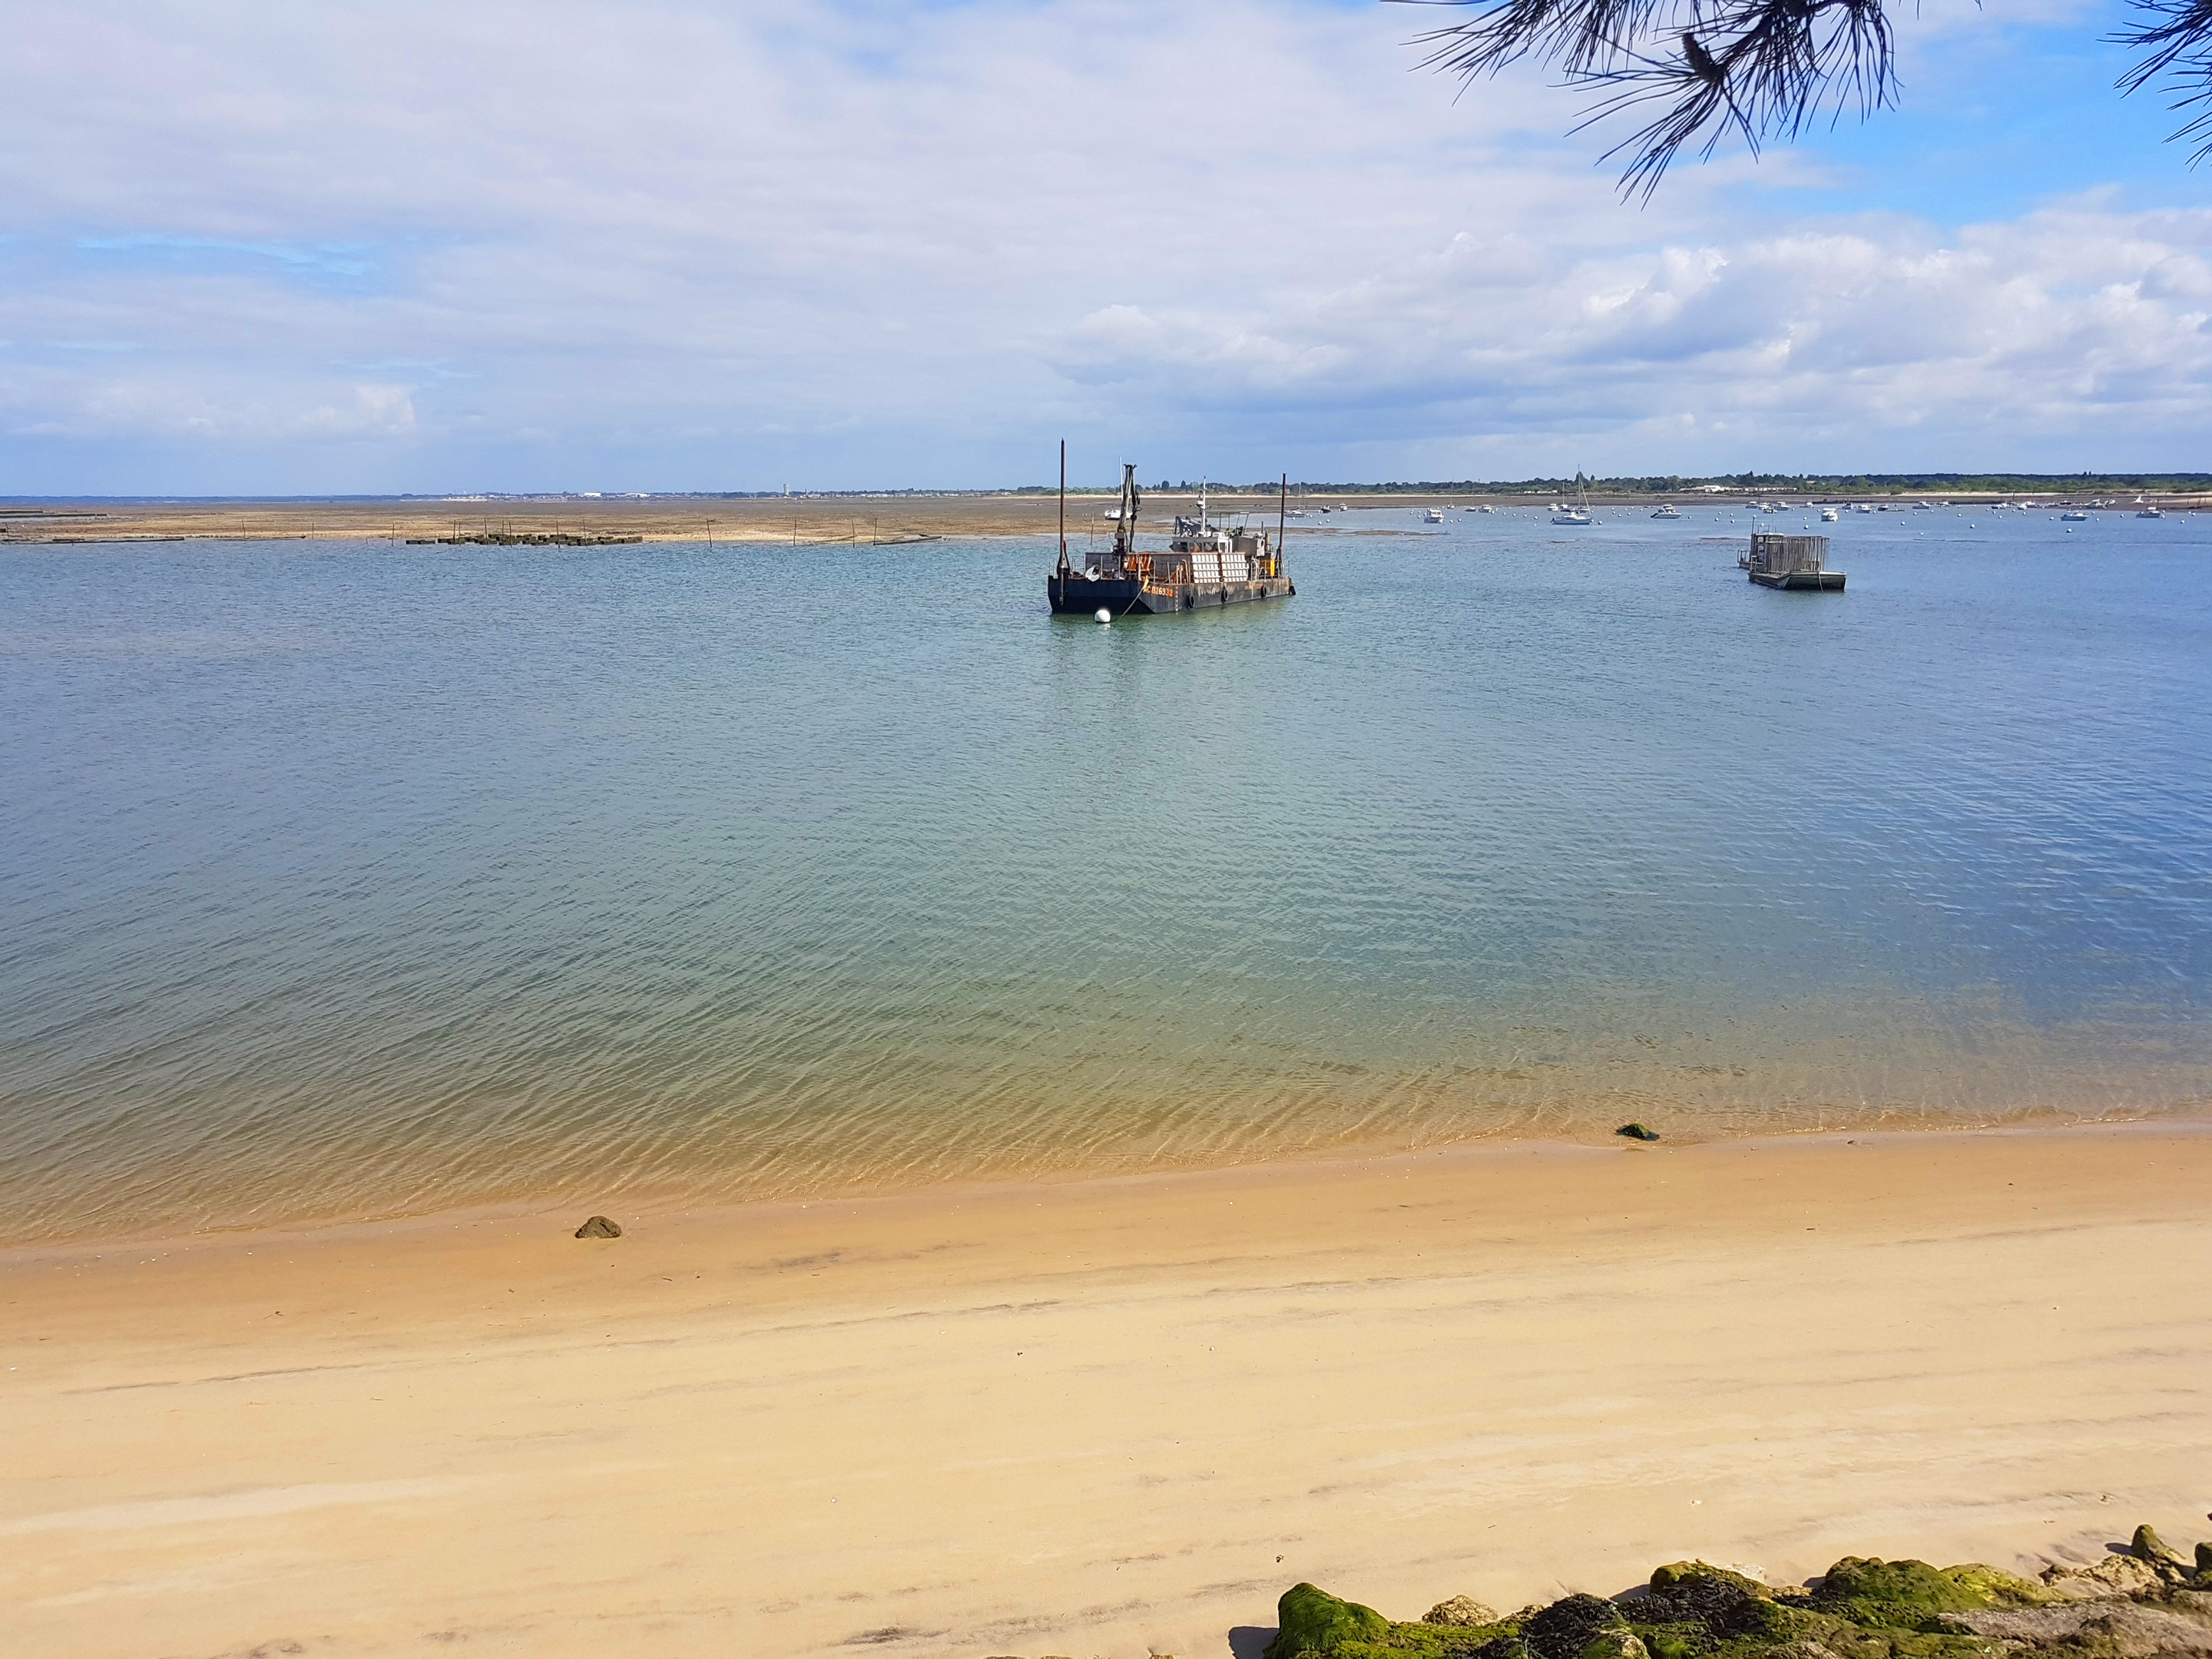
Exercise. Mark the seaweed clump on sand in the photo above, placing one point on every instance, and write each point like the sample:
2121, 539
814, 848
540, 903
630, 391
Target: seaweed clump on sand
2144, 1601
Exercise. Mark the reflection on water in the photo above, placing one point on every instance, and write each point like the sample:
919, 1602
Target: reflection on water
340, 877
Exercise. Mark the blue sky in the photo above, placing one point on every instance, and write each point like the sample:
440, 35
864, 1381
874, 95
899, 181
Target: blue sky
664, 245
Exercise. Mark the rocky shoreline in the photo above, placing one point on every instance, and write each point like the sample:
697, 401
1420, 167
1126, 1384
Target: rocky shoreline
2144, 1601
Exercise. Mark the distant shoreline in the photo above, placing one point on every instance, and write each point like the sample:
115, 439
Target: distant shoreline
889, 518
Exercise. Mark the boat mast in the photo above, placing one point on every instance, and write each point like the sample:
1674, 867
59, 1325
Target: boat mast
1063, 507
1282, 520
1125, 522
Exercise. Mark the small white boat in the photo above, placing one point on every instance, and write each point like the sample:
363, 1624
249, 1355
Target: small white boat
1828, 515
1434, 515
2074, 518
1666, 511
2150, 513
1570, 515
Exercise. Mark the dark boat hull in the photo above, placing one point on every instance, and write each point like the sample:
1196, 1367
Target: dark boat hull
1078, 595
1803, 581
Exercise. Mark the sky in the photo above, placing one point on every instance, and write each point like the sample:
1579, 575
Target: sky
400, 247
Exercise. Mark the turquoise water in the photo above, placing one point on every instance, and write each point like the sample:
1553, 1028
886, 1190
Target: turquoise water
345, 878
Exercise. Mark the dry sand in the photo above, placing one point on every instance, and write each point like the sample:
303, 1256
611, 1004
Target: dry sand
802, 522
1107, 1416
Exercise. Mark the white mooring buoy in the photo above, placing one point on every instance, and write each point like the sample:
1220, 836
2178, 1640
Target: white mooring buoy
1104, 616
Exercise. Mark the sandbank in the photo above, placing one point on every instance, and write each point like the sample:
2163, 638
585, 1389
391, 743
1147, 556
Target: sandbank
1107, 1417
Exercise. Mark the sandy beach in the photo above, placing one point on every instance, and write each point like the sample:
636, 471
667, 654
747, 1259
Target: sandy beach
793, 521
1110, 1417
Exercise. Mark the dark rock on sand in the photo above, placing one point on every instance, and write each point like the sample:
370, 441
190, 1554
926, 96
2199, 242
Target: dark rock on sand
1710, 1602
1572, 1625
599, 1227
1637, 1131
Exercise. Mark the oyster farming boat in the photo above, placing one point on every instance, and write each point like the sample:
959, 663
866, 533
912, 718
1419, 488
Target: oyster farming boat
1204, 566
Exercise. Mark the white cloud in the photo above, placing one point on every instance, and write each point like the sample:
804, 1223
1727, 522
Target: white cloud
680, 245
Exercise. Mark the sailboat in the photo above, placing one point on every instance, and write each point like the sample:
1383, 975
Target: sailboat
1574, 512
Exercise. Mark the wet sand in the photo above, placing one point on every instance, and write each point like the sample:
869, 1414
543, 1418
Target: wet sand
1110, 1417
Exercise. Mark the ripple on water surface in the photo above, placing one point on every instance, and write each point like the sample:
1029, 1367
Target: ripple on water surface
342, 877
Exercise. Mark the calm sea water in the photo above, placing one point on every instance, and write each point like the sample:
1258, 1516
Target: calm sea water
342, 877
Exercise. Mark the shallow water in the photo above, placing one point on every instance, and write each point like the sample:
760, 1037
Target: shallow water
342, 877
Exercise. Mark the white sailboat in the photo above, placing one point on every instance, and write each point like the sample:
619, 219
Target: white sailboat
1575, 511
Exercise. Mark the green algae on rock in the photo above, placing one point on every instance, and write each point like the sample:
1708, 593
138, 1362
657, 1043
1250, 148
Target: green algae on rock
1868, 1590
2144, 1601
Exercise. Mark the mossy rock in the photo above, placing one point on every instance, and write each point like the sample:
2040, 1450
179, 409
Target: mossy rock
1571, 1627
2147, 1546
1462, 1612
1677, 1573
1692, 1604
1312, 1622
1912, 1595
1309, 1619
